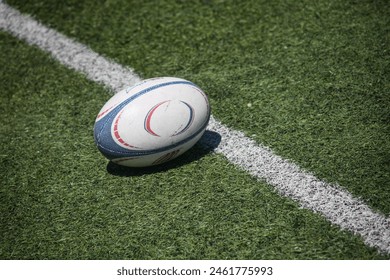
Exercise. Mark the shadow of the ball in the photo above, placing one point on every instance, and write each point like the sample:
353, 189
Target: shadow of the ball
207, 144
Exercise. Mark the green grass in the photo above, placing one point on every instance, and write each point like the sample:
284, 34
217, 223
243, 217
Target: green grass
61, 200
315, 73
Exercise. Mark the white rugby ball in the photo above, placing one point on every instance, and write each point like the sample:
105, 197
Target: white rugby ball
152, 122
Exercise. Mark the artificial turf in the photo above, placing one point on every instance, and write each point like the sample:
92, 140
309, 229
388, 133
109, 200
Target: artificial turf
60, 199
310, 79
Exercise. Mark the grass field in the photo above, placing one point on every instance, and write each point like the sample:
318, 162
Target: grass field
310, 80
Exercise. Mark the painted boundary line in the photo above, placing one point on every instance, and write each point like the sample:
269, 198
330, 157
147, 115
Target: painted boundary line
68, 52
336, 204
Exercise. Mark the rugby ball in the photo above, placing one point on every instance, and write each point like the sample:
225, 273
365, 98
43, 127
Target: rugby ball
152, 122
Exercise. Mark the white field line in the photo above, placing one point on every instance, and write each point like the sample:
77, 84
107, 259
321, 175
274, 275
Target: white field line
332, 201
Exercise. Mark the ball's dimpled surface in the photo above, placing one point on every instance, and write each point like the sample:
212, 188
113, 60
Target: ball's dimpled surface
152, 122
